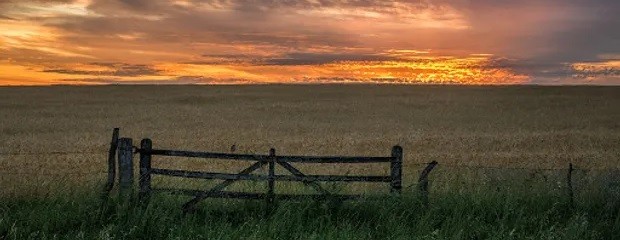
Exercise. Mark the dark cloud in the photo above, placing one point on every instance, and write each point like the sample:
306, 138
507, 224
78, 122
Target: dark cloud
118, 69
37, 1
550, 72
548, 31
532, 67
295, 58
593, 71
586, 41
296, 39
198, 26
544, 31
324, 58
115, 7
230, 59
181, 80
545, 38
267, 5
211, 80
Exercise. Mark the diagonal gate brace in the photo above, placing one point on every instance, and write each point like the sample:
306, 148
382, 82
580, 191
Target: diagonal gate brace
298, 173
190, 205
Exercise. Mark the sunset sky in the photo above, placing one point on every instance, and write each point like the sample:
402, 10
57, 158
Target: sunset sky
45, 42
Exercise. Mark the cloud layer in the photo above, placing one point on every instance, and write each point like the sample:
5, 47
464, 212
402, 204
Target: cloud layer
258, 41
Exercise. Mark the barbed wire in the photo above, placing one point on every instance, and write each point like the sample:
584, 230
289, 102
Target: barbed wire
136, 150
498, 168
49, 153
440, 165
53, 174
449, 165
34, 173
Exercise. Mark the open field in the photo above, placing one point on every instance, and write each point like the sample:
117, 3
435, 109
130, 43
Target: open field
54, 140
62, 133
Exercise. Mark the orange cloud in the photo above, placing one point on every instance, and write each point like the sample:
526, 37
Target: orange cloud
392, 41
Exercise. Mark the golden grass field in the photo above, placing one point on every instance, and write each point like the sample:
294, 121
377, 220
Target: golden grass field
58, 136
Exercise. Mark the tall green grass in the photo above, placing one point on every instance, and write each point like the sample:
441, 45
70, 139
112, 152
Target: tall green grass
449, 215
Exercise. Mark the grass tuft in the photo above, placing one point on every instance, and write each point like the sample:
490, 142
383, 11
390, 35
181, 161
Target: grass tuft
447, 216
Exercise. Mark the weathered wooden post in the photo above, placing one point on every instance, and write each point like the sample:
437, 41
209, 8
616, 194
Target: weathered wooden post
271, 178
423, 181
125, 167
145, 169
396, 169
569, 183
111, 163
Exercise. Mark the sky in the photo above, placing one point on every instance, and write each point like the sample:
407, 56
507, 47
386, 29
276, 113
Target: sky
550, 42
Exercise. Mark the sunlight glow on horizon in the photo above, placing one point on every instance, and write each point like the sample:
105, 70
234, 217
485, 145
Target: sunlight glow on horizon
334, 41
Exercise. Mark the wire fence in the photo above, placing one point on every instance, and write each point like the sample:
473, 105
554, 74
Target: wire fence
415, 164
426, 177
53, 174
49, 153
446, 174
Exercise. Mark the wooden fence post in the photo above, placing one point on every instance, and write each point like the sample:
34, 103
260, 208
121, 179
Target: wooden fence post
111, 163
125, 167
569, 183
396, 169
145, 169
423, 181
271, 183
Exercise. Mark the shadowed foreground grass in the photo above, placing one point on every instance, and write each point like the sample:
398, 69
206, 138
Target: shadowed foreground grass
484, 215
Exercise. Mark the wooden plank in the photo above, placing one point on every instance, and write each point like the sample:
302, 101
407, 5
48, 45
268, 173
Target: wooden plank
145, 169
243, 157
569, 184
396, 169
271, 179
333, 178
335, 159
125, 166
253, 177
210, 194
190, 205
207, 175
257, 196
318, 196
112, 161
265, 158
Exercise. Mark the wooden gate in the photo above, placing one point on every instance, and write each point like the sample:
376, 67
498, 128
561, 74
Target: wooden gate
147, 152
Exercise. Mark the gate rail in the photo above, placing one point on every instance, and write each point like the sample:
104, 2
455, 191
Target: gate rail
146, 151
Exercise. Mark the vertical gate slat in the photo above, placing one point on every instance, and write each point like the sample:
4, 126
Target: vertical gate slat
396, 169
271, 183
125, 167
111, 162
145, 168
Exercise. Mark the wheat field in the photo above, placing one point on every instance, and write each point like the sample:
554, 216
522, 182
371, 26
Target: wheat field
57, 137
502, 152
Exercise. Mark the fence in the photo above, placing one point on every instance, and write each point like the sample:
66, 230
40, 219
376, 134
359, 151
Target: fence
146, 171
573, 183
123, 149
